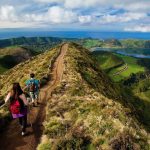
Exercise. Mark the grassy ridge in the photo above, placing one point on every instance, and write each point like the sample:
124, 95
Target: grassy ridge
83, 112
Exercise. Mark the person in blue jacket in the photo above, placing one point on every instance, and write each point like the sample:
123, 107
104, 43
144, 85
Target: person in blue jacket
33, 87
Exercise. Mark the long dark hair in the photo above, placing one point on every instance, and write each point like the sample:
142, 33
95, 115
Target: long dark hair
16, 91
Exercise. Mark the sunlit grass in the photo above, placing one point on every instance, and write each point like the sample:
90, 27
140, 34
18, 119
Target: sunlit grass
133, 67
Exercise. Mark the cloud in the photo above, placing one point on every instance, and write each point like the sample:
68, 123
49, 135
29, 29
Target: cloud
74, 13
19, 24
72, 3
85, 19
8, 13
60, 15
134, 6
138, 28
125, 17
54, 15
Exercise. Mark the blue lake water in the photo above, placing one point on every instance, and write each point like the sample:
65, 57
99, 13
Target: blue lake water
75, 34
133, 55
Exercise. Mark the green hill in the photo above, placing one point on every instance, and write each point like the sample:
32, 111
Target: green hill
11, 56
16, 50
86, 110
133, 67
112, 63
20, 73
107, 60
31, 41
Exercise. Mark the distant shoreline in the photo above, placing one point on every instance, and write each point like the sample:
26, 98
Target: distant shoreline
75, 34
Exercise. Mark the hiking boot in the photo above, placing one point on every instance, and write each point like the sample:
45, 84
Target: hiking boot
22, 133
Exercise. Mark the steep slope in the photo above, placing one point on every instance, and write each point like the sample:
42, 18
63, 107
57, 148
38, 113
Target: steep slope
11, 56
11, 138
39, 65
85, 111
16, 50
107, 60
30, 41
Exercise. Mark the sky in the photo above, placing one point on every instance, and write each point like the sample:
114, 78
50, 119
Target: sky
97, 15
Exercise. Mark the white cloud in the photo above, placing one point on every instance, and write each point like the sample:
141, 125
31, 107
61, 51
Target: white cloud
138, 28
85, 19
9, 24
54, 15
60, 15
49, 1
131, 5
71, 13
8, 13
134, 6
126, 17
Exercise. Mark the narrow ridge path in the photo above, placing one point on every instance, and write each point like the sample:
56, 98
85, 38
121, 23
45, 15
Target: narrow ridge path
11, 138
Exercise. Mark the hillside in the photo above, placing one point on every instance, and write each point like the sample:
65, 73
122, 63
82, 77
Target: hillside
86, 110
21, 72
11, 56
129, 46
119, 67
16, 50
31, 41
107, 60
133, 67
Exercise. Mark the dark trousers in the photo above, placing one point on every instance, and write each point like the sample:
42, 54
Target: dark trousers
23, 122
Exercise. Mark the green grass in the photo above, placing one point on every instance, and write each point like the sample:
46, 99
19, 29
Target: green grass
89, 43
112, 63
144, 105
133, 67
81, 102
13, 55
20, 73
145, 95
107, 60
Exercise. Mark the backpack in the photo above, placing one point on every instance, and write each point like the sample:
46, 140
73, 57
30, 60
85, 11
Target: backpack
15, 107
32, 86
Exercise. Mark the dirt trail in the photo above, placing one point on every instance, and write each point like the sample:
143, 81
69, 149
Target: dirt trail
11, 138
122, 70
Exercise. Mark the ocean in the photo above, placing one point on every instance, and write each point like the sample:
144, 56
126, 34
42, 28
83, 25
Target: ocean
75, 34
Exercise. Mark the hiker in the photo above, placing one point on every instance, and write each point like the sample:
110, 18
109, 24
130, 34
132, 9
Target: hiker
33, 87
18, 105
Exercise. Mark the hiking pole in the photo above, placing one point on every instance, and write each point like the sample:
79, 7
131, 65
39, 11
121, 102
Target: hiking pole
39, 95
2, 106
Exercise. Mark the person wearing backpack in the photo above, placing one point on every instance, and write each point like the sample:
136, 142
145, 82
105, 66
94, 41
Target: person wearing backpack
18, 105
33, 86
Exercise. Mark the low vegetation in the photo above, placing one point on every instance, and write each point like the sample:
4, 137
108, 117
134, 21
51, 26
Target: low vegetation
13, 55
86, 110
16, 50
39, 65
107, 60
133, 67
